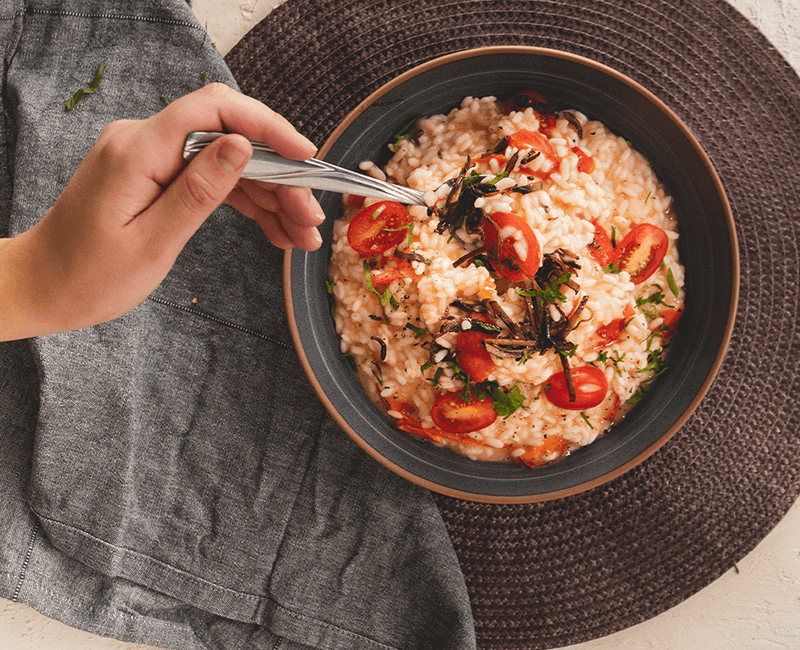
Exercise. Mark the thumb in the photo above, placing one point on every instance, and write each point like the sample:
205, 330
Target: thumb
199, 189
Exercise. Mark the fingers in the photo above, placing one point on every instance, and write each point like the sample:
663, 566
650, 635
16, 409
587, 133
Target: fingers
216, 107
289, 216
196, 192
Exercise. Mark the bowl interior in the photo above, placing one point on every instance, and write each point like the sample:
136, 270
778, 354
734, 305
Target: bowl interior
707, 247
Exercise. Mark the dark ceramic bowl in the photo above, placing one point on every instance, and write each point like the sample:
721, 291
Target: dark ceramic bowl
707, 249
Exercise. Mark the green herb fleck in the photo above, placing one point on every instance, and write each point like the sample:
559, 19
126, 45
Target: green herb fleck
611, 268
506, 403
87, 91
408, 226
552, 294
585, 419
386, 297
405, 133
673, 286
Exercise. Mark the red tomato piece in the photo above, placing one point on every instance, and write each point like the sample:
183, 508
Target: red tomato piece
473, 358
610, 333
454, 414
408, 424
671, 318
591, 387
533, 140
522, 100
601, 248
378, 228
552, 449
641, 252
397, 269
585, 161
512, 245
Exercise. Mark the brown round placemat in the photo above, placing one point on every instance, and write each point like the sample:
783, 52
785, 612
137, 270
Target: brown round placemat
550, 574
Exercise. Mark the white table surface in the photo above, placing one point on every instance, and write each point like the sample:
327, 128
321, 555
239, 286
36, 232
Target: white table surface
756, 608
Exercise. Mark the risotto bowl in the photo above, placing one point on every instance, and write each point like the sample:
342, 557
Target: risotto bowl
706, 247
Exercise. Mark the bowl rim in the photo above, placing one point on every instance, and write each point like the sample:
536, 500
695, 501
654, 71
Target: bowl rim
714, 368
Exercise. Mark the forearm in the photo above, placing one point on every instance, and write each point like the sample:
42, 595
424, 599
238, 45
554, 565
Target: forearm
21, 311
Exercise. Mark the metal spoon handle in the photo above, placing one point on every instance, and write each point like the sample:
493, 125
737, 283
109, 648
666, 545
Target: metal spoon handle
270, 167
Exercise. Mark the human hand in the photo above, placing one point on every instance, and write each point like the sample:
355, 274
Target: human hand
132, 205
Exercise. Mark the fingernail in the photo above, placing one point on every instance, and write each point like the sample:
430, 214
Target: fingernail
319, 215
230, 157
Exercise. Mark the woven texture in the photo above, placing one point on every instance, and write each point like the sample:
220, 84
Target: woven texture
557, 573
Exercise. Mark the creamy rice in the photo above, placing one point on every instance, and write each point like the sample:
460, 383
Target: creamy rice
390, 311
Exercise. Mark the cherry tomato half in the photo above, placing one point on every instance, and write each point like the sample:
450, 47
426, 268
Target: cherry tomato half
472, 356
524, 140
408, 424
552, 449
451, 412
591, 387
601, 249
641, 251
378, 228
511, 245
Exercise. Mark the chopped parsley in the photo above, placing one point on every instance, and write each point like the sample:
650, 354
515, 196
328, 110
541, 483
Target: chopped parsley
386, 297
646, 303
507, 402
552, 294
88, 90
408, 226
673, 286
405, 133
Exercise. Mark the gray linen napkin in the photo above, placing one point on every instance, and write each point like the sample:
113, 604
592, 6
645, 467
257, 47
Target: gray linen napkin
170, 478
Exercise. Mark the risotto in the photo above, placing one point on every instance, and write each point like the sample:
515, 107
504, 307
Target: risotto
523, 311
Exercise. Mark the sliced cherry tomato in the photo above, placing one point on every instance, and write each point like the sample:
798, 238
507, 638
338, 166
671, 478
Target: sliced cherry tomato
408, 424
585, 161
511, 245
641, 252
524, 140
378, 228
473, 358
522, 100
453, 413
552, 449
354, 200
601, 248
591, 387
396, 269
610, 333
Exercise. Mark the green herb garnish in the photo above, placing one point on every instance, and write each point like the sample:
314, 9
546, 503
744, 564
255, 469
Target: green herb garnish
386, 297
673, 286
405, 133
552, 294
506, 403
86, 91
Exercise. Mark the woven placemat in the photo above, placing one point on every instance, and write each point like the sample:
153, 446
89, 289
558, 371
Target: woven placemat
561, 572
